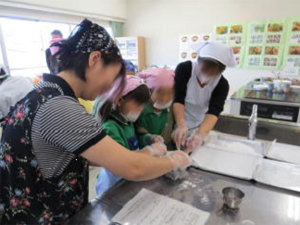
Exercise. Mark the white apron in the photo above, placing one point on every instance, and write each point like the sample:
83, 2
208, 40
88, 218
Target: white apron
197, 99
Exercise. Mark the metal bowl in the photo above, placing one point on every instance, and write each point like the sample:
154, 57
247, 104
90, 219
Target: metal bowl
232, 197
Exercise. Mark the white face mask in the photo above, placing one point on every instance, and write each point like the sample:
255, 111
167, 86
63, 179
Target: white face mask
131, 116
162, 106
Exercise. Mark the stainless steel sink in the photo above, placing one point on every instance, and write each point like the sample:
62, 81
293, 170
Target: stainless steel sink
284, 132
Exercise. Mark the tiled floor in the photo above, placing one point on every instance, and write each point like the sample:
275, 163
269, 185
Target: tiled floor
94, 171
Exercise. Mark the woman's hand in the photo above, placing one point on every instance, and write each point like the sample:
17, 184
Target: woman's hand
193, 143
180, 159
179, 135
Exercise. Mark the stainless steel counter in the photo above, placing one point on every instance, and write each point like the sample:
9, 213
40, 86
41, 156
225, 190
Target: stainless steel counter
262, 205
268, 130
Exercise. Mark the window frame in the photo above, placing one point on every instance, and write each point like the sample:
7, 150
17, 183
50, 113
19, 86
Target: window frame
3, 46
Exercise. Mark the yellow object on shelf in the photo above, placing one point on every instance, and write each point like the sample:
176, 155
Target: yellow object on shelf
88, 105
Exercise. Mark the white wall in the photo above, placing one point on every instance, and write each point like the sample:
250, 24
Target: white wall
101, 9
162, 21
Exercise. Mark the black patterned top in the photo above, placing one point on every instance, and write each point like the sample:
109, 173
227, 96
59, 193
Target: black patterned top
44, 180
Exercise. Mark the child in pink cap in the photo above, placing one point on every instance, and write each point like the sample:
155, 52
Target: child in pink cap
119, 125
153, 119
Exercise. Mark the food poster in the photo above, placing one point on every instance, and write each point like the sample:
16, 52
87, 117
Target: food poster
264, 47
275, 32
237, 41
274, 44
189, 45
239, 53
184, 55
184, 41
194, 39
206, 37
233, 35
221, 32
292, 50
253, 58
184, 48
264, 56
272, 56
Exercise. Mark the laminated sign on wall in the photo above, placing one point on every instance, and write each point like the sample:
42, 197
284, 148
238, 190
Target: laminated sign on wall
233, 35
265, 44
189, 45
291, 60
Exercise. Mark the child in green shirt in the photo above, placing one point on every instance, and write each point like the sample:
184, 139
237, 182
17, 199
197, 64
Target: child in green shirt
153, 119
119, 125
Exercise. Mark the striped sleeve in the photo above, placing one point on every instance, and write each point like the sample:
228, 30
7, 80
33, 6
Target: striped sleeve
64, 123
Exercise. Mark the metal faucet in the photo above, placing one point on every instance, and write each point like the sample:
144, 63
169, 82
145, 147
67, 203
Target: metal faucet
252, 123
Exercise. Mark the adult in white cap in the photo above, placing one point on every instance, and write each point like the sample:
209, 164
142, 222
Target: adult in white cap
200, 94
12, 89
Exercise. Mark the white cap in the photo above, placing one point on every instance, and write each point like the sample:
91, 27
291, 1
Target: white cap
217, 51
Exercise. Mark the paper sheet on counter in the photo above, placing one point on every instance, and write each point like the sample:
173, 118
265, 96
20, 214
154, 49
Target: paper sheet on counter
285, 152
279, 174
228, 163
149, 208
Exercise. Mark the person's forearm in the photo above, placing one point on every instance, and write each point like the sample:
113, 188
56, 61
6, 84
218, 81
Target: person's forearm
207, 125
149, 167
124, 163
178, 111
145, 151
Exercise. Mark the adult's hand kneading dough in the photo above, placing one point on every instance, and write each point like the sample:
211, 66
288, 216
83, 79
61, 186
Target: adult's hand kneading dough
179, 159
179, 135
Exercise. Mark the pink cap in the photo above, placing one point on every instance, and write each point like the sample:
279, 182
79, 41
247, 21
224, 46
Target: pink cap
132, 82
54, 49
158, 77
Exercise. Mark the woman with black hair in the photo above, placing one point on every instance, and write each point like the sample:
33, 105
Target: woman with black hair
200, 94
49, 139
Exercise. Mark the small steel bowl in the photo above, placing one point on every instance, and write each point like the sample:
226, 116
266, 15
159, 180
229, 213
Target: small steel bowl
232, 197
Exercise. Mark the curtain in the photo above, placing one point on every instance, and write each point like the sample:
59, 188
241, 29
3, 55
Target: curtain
117, 28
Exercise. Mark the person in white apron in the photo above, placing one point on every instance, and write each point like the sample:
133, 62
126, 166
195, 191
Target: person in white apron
200, 94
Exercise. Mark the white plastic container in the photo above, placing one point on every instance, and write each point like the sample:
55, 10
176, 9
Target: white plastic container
282, 86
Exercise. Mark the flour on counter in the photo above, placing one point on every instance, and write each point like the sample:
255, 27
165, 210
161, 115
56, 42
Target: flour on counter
235, 147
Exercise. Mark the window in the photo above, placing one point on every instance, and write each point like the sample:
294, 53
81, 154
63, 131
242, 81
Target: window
109, 30
26, 41
23, 44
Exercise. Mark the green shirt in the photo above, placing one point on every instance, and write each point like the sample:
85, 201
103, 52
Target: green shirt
121, 131
152, 123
